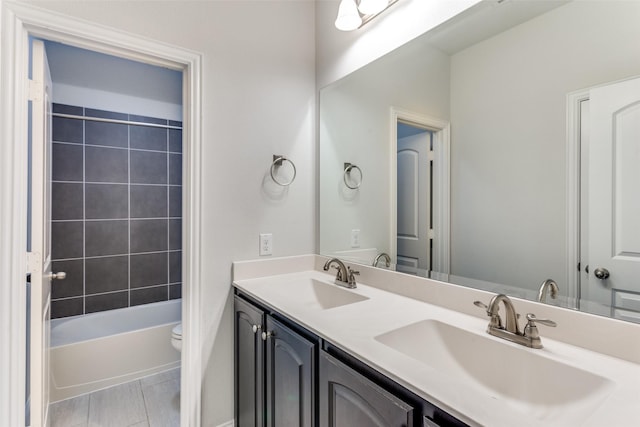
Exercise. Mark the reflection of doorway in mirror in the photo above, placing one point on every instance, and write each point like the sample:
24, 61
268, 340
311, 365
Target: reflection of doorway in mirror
420, 200
414, 158
606, 227
614, 206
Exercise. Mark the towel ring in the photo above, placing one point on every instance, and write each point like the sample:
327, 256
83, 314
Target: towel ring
278, 160
348, 167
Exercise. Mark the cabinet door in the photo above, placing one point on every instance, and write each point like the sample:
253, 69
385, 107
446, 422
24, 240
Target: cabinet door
249, 366
347, 399
290, 377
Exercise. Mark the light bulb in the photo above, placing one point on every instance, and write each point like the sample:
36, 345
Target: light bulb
348, 17
371, 7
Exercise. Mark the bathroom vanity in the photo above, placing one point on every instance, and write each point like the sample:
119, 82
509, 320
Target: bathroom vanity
292, 377
406, 351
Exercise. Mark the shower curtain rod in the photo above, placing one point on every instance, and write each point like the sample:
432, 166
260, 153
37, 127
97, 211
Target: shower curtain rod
122, 122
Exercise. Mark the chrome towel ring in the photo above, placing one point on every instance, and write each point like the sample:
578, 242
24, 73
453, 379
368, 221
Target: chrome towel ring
348, 167
278, 160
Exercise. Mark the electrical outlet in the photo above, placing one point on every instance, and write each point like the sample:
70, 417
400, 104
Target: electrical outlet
266, 244
355, 238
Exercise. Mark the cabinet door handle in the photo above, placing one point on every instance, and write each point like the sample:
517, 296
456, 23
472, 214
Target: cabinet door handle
267, 334
255, 328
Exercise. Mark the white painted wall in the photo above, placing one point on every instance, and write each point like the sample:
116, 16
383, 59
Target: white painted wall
95, 80
508, 103
340, 53
258, 98
355, 126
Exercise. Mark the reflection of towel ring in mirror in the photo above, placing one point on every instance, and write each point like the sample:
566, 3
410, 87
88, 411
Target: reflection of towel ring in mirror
277, 162
348, 167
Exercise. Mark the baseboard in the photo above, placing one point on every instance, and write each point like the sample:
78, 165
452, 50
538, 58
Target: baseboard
228, 424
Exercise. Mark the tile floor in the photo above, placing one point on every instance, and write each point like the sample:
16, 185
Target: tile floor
152, 401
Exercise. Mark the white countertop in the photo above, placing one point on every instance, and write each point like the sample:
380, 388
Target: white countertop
354, 328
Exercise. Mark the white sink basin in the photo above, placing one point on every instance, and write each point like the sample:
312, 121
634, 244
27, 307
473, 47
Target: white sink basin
316, 294
523, 378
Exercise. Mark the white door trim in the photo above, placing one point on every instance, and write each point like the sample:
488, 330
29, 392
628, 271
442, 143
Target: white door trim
441, 190
572, 168
18, 21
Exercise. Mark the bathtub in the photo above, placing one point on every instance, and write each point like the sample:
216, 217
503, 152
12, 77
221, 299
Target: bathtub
99, 350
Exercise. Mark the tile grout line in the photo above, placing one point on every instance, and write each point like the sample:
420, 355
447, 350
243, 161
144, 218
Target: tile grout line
84, 222
129, 215
144, 401
157, 285
117, 255
168, 221
89, 407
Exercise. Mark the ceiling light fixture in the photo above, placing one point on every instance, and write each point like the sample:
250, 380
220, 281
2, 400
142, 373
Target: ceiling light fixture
371, 7
348, 18
353, 14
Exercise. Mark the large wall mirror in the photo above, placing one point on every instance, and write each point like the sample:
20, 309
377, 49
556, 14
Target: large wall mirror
497, 151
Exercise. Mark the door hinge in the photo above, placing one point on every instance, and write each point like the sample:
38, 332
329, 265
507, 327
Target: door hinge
35, 90
431, 155
431, 234
33, 261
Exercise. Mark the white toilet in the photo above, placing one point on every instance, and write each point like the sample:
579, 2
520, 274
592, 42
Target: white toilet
176, 337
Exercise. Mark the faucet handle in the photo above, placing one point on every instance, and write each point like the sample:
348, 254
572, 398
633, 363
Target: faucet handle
481, 305
352, 274
531, 330
339, 273
496, 321
532, 320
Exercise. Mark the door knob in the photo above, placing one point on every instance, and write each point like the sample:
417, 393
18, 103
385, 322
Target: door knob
601, 273
60, 275
267, 334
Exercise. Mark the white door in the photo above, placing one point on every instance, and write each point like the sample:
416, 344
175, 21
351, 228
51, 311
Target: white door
413, 193
614, 205
40, 255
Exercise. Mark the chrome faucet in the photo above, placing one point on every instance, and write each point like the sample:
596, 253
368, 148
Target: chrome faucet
552, 286
345, 276
387, 259
530, 337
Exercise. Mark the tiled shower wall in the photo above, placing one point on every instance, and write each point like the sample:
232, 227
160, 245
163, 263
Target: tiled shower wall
116, 210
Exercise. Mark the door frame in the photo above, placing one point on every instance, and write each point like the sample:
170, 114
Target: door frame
573, 188
18, 22
440, 185
573, 161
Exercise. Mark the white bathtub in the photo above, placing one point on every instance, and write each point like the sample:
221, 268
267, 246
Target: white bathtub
99, 350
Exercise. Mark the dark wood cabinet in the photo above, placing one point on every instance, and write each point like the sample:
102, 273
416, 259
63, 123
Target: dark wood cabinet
290, 377
348, 399
274, 371
286, 376
249, 365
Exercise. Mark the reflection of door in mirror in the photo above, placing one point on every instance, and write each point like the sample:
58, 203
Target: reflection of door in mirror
420, 204
414, 145
614, 207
